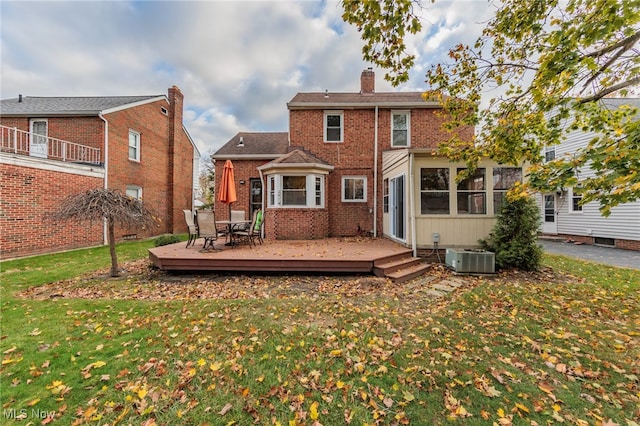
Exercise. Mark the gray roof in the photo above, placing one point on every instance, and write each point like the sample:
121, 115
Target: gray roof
367, 100
51, 106
265, 145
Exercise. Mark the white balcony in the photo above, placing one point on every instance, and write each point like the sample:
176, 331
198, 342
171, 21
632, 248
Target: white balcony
24, 143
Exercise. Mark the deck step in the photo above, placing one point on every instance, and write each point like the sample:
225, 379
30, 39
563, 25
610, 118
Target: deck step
409, 272
387, 266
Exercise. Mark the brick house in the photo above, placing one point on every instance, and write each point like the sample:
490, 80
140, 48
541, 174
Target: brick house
363, 161
52, 147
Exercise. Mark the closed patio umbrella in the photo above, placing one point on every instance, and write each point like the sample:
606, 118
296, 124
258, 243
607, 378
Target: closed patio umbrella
227, 190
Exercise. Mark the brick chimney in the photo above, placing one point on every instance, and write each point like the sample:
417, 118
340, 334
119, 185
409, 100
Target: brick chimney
367, 82
176, 99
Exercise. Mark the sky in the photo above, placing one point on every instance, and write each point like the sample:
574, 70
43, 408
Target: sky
237, 63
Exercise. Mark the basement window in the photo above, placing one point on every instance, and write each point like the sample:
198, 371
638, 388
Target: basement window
602, 241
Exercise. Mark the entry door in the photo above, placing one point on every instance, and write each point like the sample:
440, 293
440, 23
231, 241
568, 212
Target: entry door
549, 221
38, 144
255, 199
397, 207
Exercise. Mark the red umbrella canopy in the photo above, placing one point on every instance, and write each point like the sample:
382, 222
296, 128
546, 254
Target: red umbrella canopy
227, 190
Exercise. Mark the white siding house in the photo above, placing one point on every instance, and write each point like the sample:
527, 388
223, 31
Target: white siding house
562, 216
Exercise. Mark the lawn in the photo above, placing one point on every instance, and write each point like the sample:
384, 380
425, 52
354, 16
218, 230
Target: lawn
558, 346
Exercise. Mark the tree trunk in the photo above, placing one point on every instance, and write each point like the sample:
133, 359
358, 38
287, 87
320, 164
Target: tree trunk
112, 249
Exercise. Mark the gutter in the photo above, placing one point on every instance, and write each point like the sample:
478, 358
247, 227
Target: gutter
106, 170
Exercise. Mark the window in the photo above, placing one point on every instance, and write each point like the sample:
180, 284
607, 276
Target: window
134, 145
400, 129
319, 201
271, 188
134, 192
575, 198
385, 195
333, 128
549, 153
354, 188
504, 178
434, 191
295, 190
472, 193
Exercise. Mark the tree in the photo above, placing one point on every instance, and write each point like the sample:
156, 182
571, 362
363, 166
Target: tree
111, 205
554, 64
207, 180
514, 238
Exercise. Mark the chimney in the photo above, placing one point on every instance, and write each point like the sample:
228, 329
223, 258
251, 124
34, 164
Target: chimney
367, 82
20, 98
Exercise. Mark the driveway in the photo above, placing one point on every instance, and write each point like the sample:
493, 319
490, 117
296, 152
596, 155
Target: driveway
607, 255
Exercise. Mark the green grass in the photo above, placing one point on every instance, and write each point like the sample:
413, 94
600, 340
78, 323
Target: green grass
545, 348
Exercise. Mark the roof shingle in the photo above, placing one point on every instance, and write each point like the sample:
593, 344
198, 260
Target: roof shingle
37, 105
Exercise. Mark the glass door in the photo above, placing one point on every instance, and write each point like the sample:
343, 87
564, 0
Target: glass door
38, 144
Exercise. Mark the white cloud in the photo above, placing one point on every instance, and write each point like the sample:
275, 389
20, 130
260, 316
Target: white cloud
237, 63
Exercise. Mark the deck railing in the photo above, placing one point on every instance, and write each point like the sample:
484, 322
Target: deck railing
25, 143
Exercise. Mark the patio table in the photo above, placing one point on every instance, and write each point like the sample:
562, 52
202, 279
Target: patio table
230, 225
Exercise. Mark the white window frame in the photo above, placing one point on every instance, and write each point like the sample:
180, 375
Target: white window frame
313, 182
134, 192
339, 113
135, 146
364, 189
407, 114
549, 153
577, 197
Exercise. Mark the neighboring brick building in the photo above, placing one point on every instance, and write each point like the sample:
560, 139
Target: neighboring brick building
51, 147
363, 162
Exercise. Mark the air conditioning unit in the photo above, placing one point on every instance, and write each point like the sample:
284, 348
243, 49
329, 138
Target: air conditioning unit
471, 261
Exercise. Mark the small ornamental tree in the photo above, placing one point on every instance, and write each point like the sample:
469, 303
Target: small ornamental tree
514, 238
111, 205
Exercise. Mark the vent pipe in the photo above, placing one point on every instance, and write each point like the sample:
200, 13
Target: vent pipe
20, 98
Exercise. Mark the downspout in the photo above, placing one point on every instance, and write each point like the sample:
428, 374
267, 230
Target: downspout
375, 175
264, 209
106, 169
412, 213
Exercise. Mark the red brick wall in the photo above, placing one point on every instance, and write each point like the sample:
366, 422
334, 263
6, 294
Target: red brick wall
242, 170
27, 197
619, 243
296, 224
87, 131
628, 244
355, 156
154, 172
164, 173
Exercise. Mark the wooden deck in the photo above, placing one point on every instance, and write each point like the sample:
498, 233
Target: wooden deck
332, 255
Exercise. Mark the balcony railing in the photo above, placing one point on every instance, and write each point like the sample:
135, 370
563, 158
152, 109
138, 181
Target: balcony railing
25, 143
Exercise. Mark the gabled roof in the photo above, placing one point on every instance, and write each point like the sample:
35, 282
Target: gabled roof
68, 106
355, 100
259, 145
298, 159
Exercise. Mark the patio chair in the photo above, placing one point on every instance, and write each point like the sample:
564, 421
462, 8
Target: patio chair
237, 215
245, 234
191, 225
207, 228
258, 225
